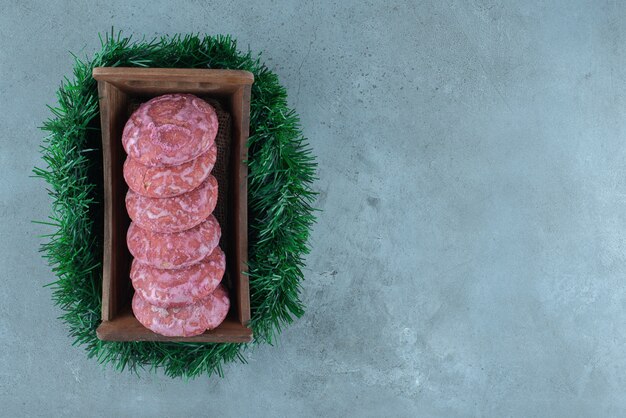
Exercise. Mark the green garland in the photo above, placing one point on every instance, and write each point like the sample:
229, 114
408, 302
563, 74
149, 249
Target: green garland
281, 171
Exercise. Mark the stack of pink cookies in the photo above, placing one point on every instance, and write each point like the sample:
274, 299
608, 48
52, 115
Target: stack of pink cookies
173, 237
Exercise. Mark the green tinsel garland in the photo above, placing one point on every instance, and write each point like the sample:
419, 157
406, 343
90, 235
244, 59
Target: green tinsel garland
281, 171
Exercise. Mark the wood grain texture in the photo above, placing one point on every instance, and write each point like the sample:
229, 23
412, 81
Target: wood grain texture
116, 259
174, 80
241, 117
125, 327
118, 89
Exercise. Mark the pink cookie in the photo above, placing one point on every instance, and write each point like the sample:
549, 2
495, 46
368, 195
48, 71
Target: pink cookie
176, 250
216, 307
170, 130
169, 181
186, 321
180, 287
173, 214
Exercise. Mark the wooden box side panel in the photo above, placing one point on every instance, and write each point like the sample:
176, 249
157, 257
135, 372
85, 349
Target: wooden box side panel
125, 327
115, 254
174, 80
241, 123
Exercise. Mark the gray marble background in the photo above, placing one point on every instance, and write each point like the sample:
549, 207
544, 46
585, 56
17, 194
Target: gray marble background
470, 257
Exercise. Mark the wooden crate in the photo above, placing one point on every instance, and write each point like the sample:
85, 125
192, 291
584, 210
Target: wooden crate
119, 89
